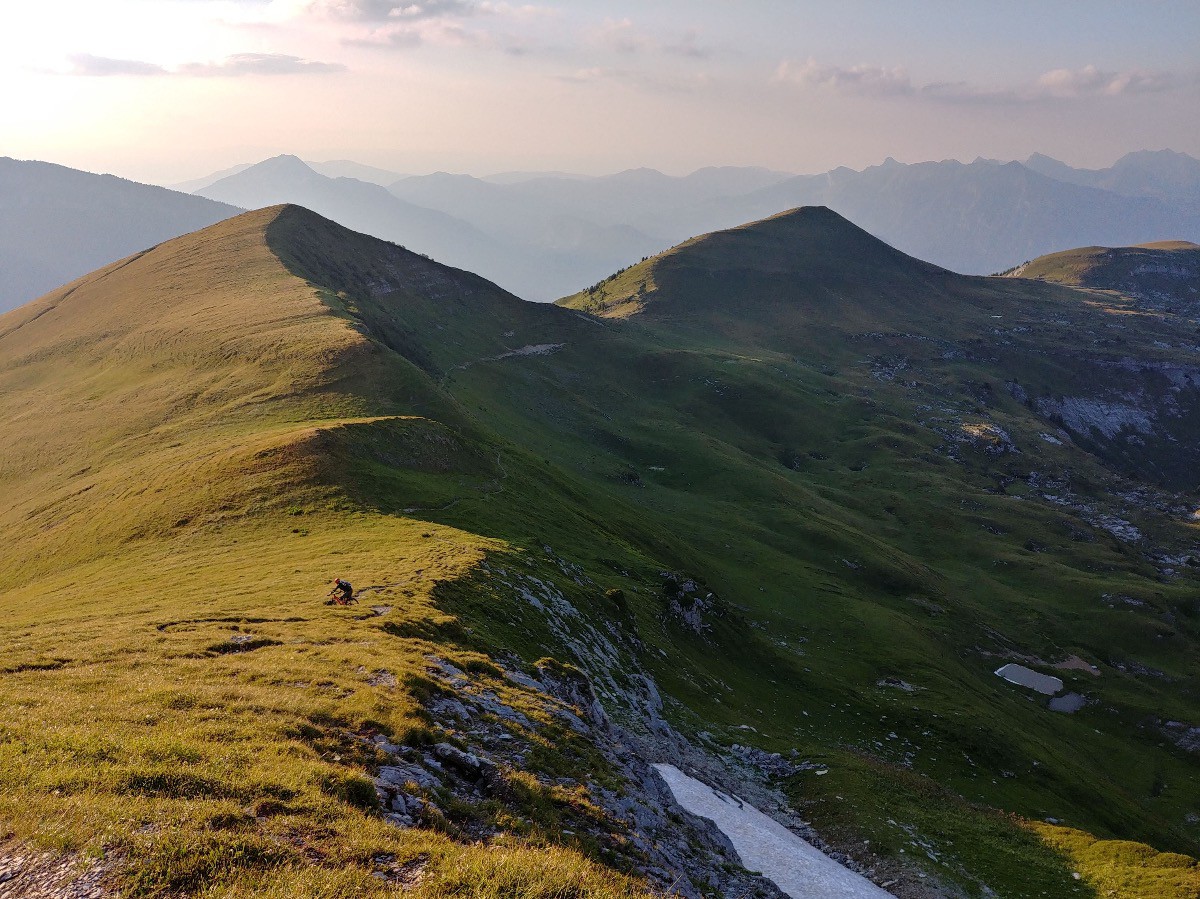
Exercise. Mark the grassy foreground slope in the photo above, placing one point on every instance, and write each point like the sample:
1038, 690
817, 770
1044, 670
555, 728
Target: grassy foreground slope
813, 428
176, 696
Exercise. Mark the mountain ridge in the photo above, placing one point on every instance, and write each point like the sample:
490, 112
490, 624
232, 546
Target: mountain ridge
58, 223
759, 552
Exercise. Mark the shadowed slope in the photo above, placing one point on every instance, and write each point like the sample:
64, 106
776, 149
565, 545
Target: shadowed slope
188, 435
801, 257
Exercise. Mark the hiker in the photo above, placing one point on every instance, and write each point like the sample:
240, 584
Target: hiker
342, 593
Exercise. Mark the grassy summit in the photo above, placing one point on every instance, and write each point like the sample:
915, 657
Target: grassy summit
810, 249
852, 451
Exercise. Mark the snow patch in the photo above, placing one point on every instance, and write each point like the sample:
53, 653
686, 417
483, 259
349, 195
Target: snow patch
1027, 677
765, 845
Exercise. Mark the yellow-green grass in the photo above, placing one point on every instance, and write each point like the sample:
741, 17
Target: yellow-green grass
1122, 869
175, 692
1160, 266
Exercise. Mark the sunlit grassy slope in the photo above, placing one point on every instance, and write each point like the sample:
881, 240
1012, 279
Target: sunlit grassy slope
198, 439
178, 432
1168, 271
1100, 266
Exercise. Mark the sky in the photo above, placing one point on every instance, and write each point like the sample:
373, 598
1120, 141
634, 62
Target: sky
166, 90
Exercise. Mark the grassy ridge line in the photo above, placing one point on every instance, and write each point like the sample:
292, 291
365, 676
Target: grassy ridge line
180, 697
1106, 266
570, 438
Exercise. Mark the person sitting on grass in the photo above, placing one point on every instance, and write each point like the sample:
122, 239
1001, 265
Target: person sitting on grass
342, 593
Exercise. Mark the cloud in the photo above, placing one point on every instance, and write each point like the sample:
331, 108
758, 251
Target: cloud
393, 11
621, 36
102, 66
591, 75
437, 23
637, 78
861, 79
1091, 81
241, 64
1057, 84
430, 32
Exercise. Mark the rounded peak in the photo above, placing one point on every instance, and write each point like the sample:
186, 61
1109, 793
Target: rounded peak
796, 226
285, 162
640, 174
804, 240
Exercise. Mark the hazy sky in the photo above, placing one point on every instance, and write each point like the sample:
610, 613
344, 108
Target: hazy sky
163, 90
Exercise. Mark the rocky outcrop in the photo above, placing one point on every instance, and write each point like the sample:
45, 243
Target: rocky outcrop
26, 873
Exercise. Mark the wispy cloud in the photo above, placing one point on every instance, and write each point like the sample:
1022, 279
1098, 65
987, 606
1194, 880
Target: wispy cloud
688, 44
623, 37
392, 11
241, 64
637, 77
1057, 84
238, 65
437, 23
1091, 81
860, 79
620, 36
592, 75
102, 66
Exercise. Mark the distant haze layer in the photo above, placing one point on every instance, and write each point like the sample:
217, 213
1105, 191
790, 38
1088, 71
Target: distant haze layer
543, 235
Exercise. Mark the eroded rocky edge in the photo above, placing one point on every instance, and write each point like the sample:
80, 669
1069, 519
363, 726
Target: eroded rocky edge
617, 709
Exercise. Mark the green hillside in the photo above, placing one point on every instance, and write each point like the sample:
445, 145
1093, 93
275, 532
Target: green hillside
1162, 276
811, 491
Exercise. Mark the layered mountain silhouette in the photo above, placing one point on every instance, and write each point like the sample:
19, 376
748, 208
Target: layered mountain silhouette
58, 223
1164, 175
977, 218
973, 218
545, 235
496, 246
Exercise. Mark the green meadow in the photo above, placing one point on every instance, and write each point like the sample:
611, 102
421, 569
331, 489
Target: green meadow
810, 425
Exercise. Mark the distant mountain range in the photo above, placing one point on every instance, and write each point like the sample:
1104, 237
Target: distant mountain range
538, 249
1164, 175
543, 235
58, 223
546, 235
